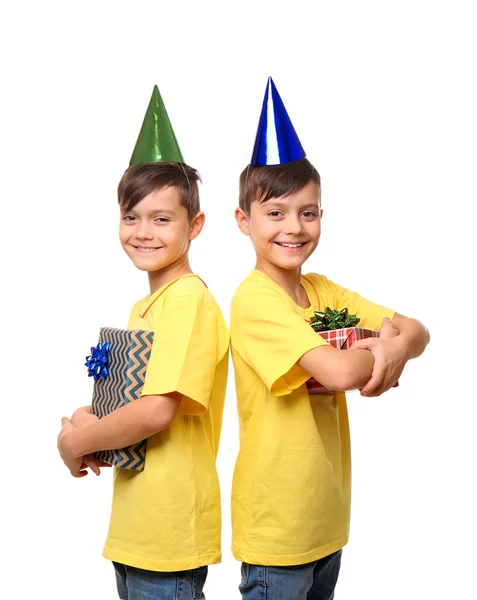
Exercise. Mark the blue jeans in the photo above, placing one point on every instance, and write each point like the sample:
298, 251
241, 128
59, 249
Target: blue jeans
313, 581
138, 584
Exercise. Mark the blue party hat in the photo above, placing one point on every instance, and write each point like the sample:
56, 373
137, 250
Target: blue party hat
277, 142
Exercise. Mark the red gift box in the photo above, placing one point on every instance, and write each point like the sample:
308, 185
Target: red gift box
341, 339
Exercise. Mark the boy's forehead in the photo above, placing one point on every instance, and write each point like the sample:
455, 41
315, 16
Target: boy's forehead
166, 200
309, 195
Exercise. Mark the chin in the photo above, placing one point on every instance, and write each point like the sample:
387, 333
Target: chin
147, 268
290, 265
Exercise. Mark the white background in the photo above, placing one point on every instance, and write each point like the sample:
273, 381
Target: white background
383, 98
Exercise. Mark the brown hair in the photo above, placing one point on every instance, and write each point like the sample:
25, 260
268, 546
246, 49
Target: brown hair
261, 183
140, 180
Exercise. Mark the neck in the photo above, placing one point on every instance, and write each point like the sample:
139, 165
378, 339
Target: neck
288, 279
158, 279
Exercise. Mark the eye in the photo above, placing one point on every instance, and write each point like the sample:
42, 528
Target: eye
129, 218
274, 213
309, 214
161, 220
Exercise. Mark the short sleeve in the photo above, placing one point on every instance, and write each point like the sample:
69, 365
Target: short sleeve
185, 353
371, 315
271, 337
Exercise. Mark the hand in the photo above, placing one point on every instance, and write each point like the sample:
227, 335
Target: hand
83, 416
389, 359
93, 463
387, 331
74, 464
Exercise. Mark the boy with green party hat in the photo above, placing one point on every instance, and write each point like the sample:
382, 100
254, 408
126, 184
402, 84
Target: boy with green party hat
165, 524
292, 481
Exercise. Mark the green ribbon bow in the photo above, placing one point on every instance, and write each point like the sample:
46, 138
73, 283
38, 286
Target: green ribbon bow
333, 319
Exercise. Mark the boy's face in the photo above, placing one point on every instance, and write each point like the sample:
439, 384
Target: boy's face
286, 230
156, 233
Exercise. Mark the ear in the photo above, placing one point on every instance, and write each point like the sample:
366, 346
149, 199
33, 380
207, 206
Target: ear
321, 213
196, 225
242, 221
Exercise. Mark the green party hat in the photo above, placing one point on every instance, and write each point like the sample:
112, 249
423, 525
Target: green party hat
156, 141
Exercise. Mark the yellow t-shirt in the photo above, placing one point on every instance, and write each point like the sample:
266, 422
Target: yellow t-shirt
167, 517
291, 486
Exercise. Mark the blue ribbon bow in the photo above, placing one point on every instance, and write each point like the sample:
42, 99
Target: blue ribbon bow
98, 361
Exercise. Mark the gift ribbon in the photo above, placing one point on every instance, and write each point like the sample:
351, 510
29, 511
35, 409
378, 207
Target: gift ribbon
97, 362
333, 319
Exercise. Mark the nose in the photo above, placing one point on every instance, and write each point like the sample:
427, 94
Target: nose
294, 226
144, 230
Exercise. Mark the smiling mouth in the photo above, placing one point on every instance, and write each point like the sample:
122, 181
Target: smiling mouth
286, 245
147, 249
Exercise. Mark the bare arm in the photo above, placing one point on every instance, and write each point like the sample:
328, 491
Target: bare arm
127, 425
339, 370
413, 336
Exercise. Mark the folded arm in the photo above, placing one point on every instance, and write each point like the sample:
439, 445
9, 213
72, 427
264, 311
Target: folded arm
339, 370
400, 340
413, 336
128, 425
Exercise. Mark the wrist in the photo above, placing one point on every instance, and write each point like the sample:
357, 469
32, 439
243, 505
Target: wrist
68, 443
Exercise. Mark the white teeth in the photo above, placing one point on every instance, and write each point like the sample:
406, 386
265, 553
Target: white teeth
290, 245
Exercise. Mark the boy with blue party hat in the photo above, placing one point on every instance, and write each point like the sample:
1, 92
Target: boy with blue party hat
292, 481
165, 525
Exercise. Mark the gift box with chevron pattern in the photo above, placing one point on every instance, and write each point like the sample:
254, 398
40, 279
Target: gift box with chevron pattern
127, 359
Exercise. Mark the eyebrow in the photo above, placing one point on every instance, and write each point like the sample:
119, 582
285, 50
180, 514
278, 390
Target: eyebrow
162, 211
167, 211
280, 203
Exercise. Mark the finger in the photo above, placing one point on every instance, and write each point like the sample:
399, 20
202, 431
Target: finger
375, 393
94, 467
381, 389
392, 385
365, 344
90, 462
387, 324
387, 329
373, 383
79, 474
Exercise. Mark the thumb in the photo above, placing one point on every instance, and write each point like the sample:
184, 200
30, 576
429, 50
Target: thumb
365, 344
387, 329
